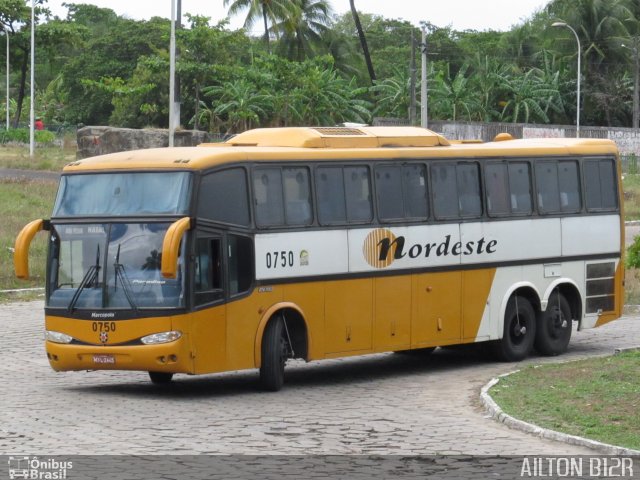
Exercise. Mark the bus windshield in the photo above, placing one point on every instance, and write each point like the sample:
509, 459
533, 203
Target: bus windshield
111, 266
123, 194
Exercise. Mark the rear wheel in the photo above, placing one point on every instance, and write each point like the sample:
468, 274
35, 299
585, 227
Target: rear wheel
519, 331
160, 377
554, 326
274, 355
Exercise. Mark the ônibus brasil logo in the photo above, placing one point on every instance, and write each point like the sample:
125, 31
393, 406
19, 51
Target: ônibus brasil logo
381, 248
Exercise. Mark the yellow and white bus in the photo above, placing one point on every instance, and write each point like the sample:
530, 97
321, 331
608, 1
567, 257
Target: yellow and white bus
318, 243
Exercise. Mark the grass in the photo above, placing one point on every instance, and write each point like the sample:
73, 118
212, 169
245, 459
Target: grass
45, 158
631, 189
23, 201
598, 398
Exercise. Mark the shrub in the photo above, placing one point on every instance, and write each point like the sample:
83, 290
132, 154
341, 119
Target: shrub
633, 254
21, 135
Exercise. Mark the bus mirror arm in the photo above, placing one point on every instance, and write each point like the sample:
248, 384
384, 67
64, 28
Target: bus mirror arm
21, 248
171, 247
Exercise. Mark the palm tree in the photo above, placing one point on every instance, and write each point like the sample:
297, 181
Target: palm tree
363, 42
240, 102
304, 28
271, 11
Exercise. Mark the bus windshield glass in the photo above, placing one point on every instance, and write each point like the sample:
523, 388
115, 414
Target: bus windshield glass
111, 266
123, 194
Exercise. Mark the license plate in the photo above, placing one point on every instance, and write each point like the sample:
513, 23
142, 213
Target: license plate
102, 359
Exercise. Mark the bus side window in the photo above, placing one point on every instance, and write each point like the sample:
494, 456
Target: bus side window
520, 187
414, 182
297, 196
240, 262
469, 189
223, 197
600, 185
547, 187
445, 191
268, 198
358, 194
569, 184
330, 192
497, 189
208, 271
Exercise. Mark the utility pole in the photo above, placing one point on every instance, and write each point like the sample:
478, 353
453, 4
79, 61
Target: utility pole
412, 102
423, 86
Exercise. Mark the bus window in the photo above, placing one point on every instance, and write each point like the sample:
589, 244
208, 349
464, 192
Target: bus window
569, 184
389, 192
240, 251
445, 191
547, 187
357, 190
600, 185
297, 196
469, 189
414, 181
520, 188
401, 192
497, 189
330, 191
224, 198
268, 201
208, 271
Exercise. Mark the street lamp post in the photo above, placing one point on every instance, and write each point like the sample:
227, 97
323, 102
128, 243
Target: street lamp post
6, 34
563, 24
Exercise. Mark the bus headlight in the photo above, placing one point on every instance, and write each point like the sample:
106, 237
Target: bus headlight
163, 337
57, 337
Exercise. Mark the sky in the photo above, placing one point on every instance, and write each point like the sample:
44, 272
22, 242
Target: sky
459, 14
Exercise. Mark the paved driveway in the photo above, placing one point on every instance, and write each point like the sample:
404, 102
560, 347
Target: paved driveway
378, 404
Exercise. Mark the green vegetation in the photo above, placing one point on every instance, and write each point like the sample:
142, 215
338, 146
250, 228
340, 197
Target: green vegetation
598, 398
305, 65
45, 158
21, 202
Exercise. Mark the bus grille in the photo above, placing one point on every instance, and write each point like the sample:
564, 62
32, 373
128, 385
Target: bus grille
600, 287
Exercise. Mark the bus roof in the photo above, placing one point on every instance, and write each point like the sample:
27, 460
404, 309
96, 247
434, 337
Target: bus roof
331, 143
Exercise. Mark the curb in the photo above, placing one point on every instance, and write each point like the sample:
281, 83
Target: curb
631, 223
497, 414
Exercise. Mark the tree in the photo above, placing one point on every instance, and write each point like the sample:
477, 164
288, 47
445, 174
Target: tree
530, 96
271, 12
363, 42
453, 98
303, 29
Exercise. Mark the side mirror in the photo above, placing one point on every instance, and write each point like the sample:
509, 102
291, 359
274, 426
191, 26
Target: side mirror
171, 247
23, 242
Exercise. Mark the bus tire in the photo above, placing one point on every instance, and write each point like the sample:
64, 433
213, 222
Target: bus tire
160, 378
519, 331
274, 356
553, 330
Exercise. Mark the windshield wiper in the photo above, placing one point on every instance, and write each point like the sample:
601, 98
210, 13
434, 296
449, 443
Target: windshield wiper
91, 277
126, 284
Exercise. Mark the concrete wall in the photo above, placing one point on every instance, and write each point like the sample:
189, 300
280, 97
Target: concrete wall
627, 139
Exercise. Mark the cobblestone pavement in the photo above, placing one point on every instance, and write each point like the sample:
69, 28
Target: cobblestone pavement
377, 404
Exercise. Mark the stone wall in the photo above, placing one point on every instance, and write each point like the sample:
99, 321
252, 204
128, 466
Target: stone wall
94, 141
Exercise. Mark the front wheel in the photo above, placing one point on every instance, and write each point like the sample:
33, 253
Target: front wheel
274, 356
519, 331
554, 326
